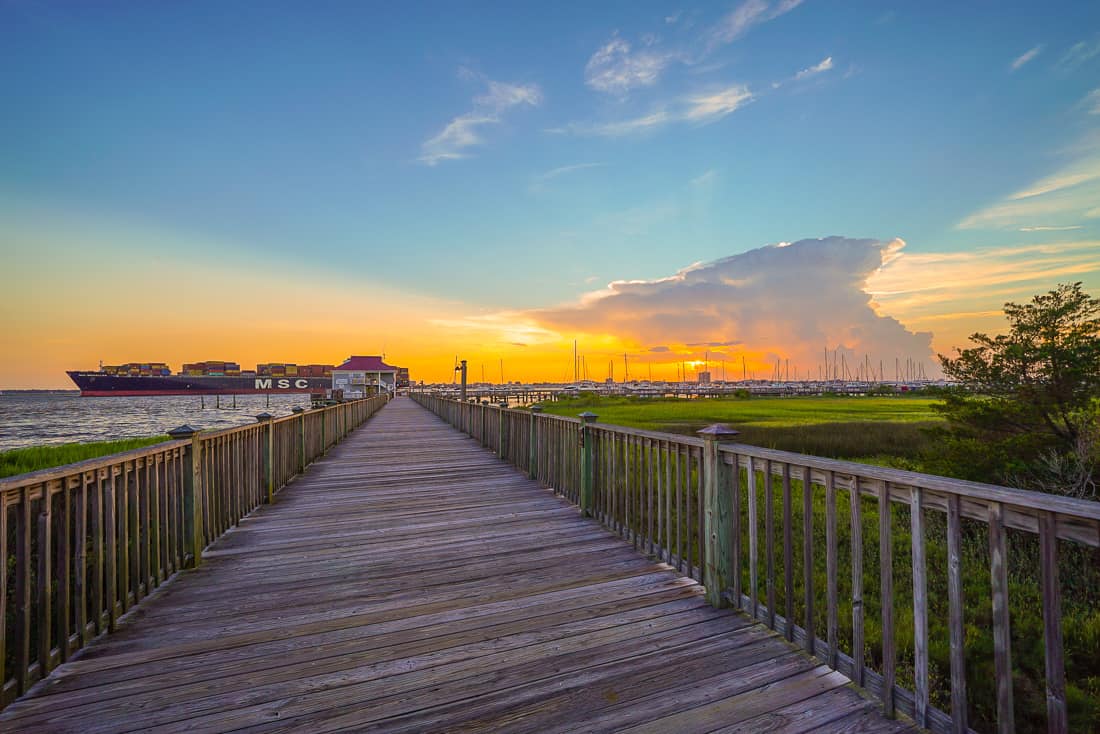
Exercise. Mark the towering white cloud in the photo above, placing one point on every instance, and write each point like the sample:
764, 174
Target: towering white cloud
789, 300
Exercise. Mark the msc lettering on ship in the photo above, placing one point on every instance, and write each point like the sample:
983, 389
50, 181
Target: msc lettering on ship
284, 384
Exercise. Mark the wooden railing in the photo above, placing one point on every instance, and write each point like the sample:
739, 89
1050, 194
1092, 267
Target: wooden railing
688, 502
82, 544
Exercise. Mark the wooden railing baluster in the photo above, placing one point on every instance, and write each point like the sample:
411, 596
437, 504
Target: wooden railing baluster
955, 614
1057, 716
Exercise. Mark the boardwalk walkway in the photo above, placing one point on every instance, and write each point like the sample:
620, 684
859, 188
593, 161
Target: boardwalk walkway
410, 581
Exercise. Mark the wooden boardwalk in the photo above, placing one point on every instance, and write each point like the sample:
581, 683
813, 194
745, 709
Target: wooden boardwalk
412, 582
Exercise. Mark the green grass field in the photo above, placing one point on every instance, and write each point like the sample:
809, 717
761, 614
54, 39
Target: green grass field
889, 431
20, 461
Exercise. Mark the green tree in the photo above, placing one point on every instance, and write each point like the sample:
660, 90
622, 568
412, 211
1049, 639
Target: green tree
1031, 392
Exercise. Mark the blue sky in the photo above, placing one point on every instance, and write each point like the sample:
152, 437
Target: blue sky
516, 155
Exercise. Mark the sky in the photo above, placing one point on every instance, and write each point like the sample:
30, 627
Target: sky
719, 183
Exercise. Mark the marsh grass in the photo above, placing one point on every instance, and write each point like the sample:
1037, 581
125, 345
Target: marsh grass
21, 461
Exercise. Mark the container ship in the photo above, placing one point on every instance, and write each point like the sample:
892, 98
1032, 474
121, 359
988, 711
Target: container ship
202, 378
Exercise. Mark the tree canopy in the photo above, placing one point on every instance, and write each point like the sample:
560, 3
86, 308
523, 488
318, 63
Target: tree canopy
1040, 381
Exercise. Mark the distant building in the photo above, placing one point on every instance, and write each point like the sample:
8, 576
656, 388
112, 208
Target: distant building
703, 378
402, 376
361, 376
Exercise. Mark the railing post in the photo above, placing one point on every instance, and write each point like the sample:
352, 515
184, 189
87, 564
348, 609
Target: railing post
533, 455
268, 454
500, 429
324, 420
718, 515
301, 413
587, 473
192, 492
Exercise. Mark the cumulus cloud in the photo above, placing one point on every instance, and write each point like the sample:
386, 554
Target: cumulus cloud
616, 69
464, 131
793, 301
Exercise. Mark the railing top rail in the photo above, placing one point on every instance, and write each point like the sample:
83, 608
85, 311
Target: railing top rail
1022, 498
18, 481
656, 435
67, 470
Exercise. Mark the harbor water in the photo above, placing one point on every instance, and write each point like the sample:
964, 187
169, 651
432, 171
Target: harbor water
34, 418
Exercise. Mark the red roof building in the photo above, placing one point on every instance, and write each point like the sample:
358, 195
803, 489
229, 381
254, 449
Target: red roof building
360, 376
371, 363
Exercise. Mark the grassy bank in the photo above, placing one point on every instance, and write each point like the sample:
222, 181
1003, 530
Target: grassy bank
21, 461
882, 430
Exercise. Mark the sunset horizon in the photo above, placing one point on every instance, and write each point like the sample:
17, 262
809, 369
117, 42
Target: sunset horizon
650, 181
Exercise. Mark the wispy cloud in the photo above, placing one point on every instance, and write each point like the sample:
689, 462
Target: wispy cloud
1045, 228
464, 131
822, 66
925, 284
1069, 193
706, 178
1078, 54
1025, 57
562, 170
616, 69
701, 108
617, 128
1092, 102
748, 14
711, 107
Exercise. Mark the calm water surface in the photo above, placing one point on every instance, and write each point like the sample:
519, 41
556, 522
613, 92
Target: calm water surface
31, 419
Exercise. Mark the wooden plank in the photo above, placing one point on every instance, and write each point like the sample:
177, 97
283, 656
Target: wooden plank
754, 525
810, 642
788, 557
769, 541
955, 627
679, 480
886, 576
110, 539
63, 567
647, 446
831, 601
856, 507
735, 540
4, 601
1057, 716
23, 590
920, 607
44, 580
124, 508
98, 553
1002, 636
